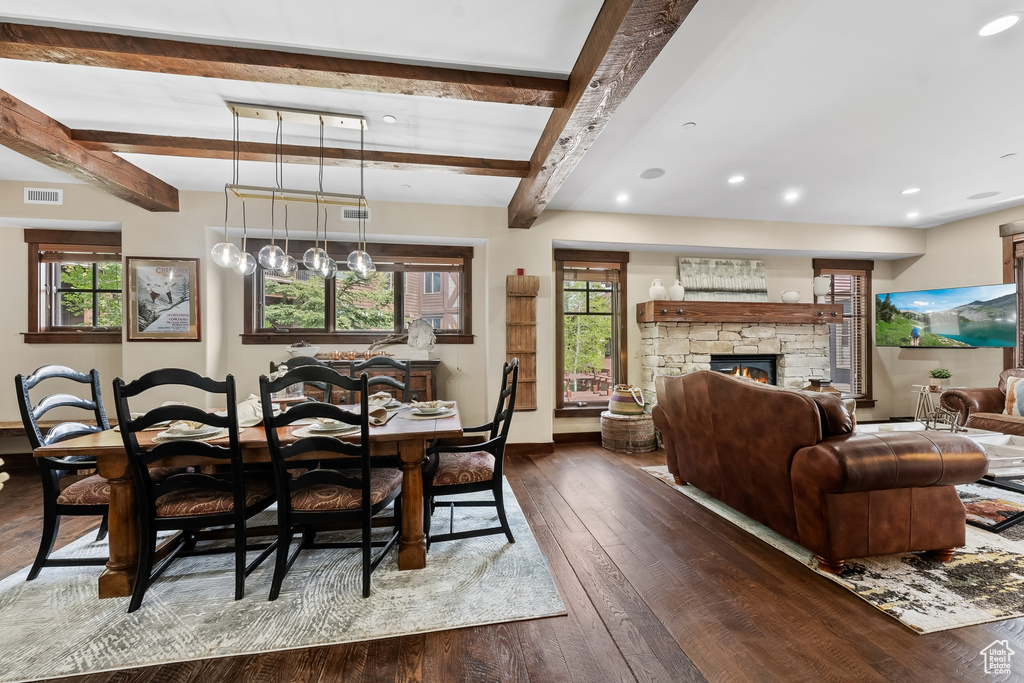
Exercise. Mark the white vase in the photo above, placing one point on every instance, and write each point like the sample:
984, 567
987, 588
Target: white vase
676, 292
822, 284
657, 291
790, 296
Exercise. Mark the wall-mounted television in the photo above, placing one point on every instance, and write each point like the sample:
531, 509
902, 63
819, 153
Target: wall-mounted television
960, 317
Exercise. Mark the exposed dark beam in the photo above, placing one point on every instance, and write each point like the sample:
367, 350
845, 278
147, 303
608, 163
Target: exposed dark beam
89, 48
626, 37
203, 148
32, 133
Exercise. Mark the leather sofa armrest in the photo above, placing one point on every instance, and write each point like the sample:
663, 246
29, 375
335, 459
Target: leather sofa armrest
967, 401
888, 460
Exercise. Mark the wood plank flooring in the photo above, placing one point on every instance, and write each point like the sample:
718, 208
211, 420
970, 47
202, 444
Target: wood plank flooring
656, 587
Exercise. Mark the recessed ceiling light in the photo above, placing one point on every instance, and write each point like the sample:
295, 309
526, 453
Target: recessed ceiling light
791, 196
1008, 156
913, 214
999, 25
983, 195
911, 190
690, 124
651, 173
388, 118
737, 179
622, 198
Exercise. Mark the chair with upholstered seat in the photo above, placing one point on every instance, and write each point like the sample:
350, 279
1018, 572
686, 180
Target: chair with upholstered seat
383, 363
189, 501
455, 469
88, 496
349, 486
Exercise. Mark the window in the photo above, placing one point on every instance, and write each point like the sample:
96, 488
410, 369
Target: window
590, 352
411, 282
849, 348
75, 286
432, 283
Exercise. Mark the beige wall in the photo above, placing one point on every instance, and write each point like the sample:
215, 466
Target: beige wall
472, 371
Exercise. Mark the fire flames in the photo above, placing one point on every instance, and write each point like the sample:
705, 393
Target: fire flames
757, 375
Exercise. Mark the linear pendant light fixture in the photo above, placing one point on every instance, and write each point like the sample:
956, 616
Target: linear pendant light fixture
272, 257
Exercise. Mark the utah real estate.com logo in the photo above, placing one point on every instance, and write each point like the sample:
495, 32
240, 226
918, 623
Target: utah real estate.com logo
997, 657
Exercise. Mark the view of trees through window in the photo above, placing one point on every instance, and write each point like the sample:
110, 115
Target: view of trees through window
300, 303
86, 294
588, 340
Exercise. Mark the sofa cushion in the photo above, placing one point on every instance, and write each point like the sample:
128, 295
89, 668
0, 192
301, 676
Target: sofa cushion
997, 422
1012, 372
1014, 396
835, 418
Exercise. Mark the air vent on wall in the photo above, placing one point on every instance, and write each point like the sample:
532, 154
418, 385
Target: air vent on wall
42, 195
356, 214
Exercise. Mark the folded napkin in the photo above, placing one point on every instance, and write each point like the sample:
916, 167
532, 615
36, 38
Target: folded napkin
381, 398
433, 405
250, 412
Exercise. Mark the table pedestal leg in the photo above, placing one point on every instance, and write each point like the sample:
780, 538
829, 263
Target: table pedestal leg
118, 579
412, 546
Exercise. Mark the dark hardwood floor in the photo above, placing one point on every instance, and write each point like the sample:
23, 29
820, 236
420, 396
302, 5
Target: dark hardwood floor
656, 588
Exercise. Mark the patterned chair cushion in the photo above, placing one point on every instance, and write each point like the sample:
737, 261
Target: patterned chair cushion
188, 502
323, 497
464, 468
93, 490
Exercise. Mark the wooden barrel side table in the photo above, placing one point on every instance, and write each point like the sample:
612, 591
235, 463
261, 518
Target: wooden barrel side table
627, 433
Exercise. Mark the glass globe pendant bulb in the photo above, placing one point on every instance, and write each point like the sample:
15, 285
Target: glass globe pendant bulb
226, 254
357, 261
313, 258
329, 268
289, 266
271, 257
246, 265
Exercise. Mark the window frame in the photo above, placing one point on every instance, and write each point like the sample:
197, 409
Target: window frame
618, 259
863, 269
74, 243
252, 334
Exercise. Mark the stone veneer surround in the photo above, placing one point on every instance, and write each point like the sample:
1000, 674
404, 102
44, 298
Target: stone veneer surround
670, 348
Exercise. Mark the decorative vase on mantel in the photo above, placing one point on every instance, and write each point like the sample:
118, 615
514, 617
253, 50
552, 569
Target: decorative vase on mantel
657, 291
676, 292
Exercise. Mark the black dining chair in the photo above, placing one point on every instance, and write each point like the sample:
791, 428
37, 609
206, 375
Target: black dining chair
455, 469
379, 364
303, 361
88, 496
349, 486
191, 500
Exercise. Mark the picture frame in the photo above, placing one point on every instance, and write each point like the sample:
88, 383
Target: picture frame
163, 299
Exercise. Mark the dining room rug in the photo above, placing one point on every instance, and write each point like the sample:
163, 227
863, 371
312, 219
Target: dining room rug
984, 582
56, 626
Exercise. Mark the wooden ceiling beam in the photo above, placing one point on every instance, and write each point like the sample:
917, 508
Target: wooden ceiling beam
32, 133
624, 41
114, 51
204, 148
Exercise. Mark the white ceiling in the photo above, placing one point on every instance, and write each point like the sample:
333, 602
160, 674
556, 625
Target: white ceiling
848, 103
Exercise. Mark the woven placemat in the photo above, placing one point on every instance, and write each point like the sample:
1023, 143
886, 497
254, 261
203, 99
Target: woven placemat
432, 416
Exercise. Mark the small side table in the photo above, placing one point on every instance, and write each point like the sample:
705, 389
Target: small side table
627, 433
925, 403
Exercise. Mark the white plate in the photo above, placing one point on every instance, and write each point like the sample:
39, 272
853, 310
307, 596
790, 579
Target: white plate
332, 428
179, 433
180, 436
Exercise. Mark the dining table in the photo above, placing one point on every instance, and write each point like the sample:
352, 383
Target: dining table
408, 436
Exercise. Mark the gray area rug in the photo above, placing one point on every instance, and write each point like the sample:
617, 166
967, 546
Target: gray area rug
984, 581
56, 626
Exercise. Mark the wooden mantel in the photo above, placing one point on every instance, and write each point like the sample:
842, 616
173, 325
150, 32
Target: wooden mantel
737, 312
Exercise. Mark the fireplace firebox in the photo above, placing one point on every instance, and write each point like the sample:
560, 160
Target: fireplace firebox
758, 367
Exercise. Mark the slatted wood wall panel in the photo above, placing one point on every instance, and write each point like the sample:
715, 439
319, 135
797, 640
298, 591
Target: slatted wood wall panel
521, 334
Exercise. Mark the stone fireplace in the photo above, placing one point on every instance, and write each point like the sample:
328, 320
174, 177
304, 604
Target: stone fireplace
681, 337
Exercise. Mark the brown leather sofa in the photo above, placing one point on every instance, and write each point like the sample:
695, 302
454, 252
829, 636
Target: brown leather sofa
983, 408
791, 460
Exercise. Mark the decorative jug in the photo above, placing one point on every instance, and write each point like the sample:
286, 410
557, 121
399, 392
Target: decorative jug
676, 291
626, 399
657, 291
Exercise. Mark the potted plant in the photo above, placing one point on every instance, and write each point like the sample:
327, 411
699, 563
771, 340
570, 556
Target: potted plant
939, 378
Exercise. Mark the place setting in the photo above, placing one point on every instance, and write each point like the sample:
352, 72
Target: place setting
429, 410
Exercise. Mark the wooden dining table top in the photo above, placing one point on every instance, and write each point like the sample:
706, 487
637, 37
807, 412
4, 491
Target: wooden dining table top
108, 442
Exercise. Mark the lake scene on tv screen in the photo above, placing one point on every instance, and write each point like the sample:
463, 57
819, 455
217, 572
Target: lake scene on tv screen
956, 317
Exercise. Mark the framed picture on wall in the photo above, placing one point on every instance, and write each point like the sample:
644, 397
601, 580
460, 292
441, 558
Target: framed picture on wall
163, 299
